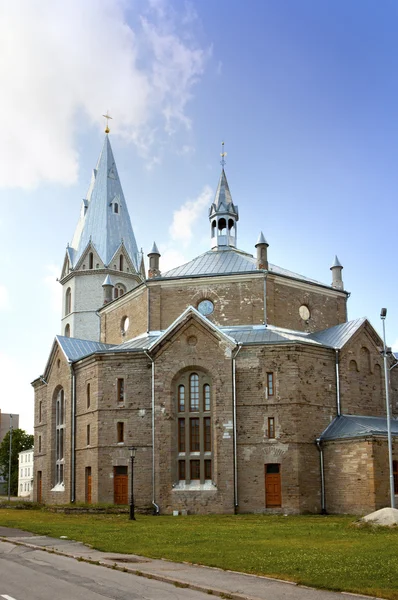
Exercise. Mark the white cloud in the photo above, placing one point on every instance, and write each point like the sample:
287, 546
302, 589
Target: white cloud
61, 62
54, 287
186, 216
4, 298
171, 258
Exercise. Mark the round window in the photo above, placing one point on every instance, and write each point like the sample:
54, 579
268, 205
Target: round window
125, 324
206, 307
304, 312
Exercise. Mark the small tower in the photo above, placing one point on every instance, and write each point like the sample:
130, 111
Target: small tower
336, 268
223, 214
103, 245
108, 286
262, 258
154, 256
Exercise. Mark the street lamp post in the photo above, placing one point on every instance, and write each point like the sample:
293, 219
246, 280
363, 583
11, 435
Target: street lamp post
9, 461
133, 450
383, 315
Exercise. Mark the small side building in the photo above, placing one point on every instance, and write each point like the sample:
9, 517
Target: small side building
25, 473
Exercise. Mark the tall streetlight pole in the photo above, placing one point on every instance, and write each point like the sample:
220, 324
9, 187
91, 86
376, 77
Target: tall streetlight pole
383, 315
9, 461
133, 450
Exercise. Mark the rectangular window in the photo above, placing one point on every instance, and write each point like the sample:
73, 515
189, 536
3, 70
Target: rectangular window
194, 392
194, 435
88, 395
181, 470
181, 398
181, 435
270, 384
206, 395
40, 404
195, 469
39, 443
207, 469
120, 390
88, 435
271, 427
120, 432
207, 434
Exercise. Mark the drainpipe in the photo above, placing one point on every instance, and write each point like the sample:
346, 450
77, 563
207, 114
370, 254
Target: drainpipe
235, 429
156, 507
265, 299
338, 384
322, 469
73, 431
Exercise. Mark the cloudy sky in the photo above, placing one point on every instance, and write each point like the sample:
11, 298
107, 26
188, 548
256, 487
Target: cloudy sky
304, 94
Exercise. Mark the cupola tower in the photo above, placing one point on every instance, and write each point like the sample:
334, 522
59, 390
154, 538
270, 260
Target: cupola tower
223, 214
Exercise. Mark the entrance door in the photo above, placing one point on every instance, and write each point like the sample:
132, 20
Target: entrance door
88, 485
273, 496
120, 485
395, 472
39, 487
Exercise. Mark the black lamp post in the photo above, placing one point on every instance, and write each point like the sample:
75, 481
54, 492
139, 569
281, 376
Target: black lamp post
133, 450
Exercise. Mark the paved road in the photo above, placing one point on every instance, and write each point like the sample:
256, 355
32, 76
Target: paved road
27, 574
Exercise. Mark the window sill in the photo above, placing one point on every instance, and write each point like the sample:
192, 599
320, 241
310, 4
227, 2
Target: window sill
207, 486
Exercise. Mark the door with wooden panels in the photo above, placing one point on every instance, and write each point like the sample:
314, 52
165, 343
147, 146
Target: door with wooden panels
273, 495
88, 485
120, 485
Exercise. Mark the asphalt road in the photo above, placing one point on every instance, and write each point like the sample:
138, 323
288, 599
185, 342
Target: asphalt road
27, 574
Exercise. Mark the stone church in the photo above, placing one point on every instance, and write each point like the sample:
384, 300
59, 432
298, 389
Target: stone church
241, 384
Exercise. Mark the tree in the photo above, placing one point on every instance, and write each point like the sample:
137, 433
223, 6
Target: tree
20, 441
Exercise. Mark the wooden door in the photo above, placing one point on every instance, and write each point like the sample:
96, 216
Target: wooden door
88, 485
39, 490
273, 496
395, 472
120, 485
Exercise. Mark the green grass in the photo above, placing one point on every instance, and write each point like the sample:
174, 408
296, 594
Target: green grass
325, 552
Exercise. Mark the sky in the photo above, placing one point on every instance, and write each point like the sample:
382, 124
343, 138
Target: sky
303, 93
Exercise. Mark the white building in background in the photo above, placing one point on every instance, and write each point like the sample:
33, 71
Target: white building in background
25, 472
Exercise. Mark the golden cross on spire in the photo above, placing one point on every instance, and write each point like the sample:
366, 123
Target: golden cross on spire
223, 155
107, 117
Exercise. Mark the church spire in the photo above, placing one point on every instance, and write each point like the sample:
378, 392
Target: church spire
223, 214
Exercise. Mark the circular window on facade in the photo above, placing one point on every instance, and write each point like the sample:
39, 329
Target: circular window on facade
304, 312
206, 307
125, 324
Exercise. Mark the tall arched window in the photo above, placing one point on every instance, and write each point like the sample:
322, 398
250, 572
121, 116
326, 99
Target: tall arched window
119, 290
194, 429
68, 301
59, 437
90, 260
121, 262
67, 330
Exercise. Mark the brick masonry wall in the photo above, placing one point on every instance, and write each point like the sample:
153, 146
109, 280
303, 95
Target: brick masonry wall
284, 298
362, 376
133, 306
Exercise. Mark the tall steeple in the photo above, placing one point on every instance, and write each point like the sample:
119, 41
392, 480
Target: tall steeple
223, 214
103, 244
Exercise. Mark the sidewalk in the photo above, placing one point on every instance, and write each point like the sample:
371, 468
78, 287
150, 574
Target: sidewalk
225, 584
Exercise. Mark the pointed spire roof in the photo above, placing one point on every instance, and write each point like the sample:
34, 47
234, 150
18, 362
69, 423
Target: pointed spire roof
336, 263
261, 240
101, 222
154, 249
107, 281
223, 199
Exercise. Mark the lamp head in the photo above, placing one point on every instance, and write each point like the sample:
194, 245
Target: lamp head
383, 313
133, 450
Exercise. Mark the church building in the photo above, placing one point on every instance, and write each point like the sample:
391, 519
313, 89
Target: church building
241, 384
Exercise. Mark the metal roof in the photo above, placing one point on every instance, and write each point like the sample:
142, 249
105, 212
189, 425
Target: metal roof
228, 261
337, 336
142, 342
100, 224
267, 335
223, 199
75, 349
349, 426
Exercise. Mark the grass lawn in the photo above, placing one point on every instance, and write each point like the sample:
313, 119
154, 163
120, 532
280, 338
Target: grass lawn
320, 551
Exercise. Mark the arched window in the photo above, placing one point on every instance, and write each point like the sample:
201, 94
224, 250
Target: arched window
68, 301
116, 208
59, 437
222, 226
121, 262
67, 330
119, 290
90, 260
194, 431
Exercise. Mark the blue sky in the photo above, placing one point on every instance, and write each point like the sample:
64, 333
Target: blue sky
304, 94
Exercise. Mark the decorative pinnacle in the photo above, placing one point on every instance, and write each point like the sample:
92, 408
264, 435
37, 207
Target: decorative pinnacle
107, 117
223, 155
